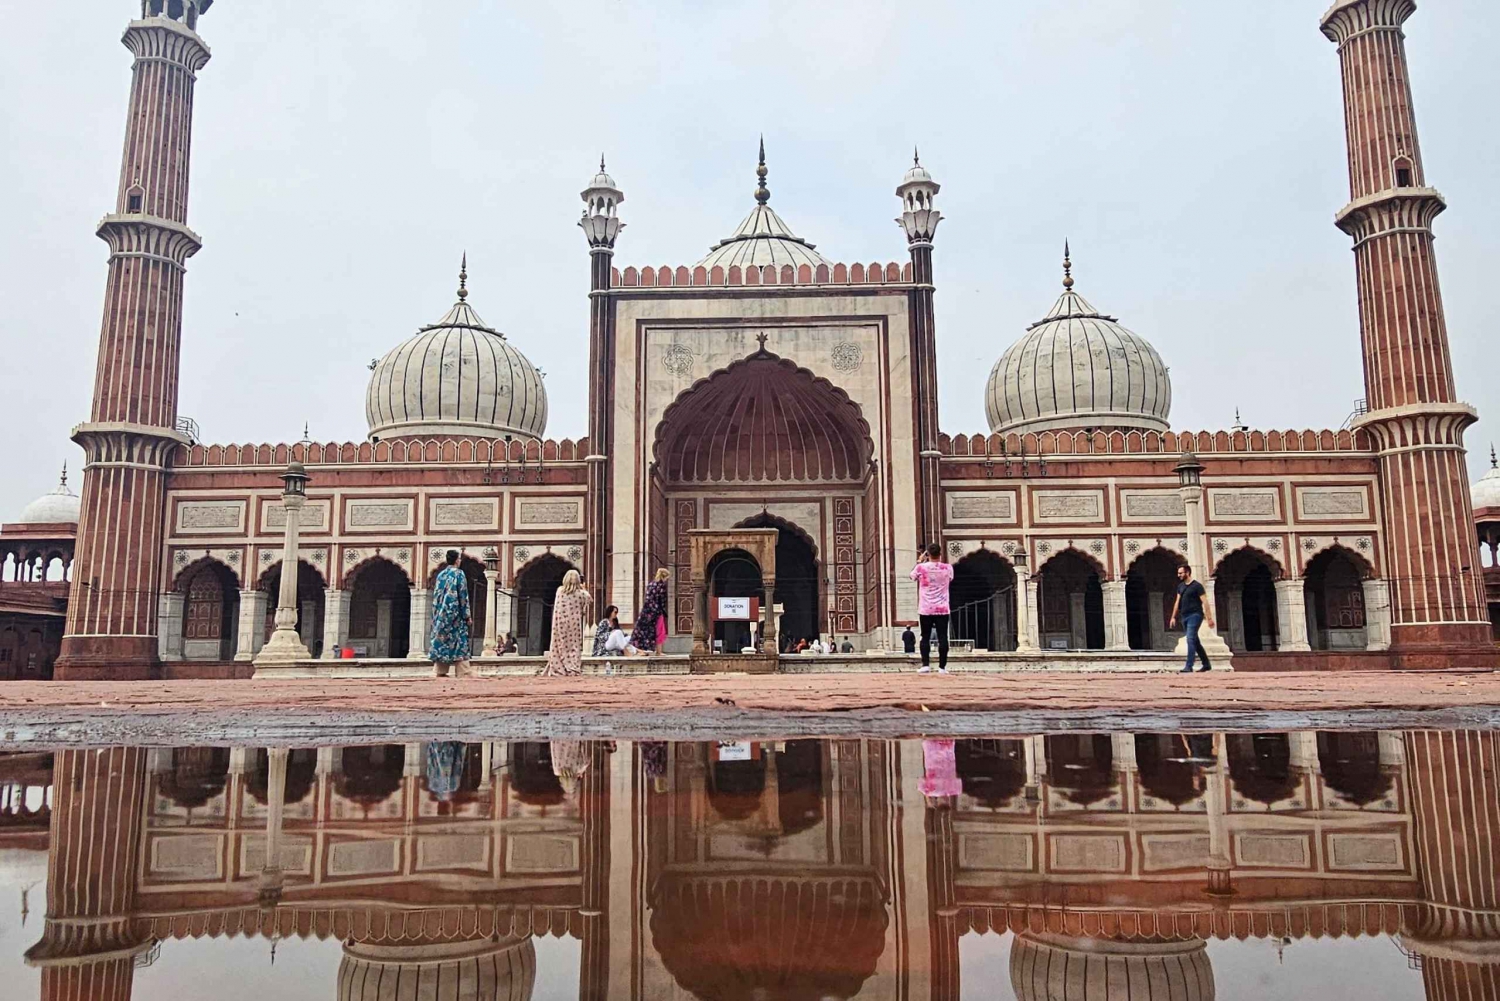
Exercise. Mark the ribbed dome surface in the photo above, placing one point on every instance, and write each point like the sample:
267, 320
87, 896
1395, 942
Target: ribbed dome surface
1055, 968
59, 507
1485, 493
456, 377
1078, 368
448, 971
763, 238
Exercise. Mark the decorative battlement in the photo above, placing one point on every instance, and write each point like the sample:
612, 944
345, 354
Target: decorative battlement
700, 277
149, 236
1349, 18
1086, 443
447, 450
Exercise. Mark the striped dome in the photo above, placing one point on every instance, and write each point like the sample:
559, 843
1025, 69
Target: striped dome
445, 971
763, 237
1056, 968
1077, 368
456, 377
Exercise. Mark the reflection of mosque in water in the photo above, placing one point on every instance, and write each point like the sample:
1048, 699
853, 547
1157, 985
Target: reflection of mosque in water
797, 869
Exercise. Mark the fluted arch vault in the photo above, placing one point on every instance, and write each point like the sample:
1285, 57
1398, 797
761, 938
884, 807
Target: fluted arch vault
762, 419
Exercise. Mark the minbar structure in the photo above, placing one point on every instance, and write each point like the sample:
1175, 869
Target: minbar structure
766, 385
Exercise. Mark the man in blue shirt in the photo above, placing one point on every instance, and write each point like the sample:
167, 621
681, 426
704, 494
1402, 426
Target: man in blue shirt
1193, 611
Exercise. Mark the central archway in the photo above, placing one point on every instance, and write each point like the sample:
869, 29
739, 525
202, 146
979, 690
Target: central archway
983, 599
536, 590
798, 580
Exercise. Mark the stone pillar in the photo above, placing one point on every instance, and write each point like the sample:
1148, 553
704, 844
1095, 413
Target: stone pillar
503, 612
252, 636
1219, 868
491, 614
1028, 614
335, 621
169, 619
1304, 751
285, 644
384, 609
271, 877
421, 619
1116, 619
1377, 614
1213, 644
1291, 615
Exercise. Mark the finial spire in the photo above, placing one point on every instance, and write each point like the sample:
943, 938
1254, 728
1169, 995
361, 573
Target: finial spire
762, 193
1067, 266
62, 484
463, 277
1493, 463
916, 159
601, 163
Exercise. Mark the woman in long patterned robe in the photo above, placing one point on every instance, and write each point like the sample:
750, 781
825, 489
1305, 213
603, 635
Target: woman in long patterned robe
649, 623
568, 611
451, 619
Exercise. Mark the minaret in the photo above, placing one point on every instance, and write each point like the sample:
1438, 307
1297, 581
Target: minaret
131, 430
920, 221
601, 226
1414, 418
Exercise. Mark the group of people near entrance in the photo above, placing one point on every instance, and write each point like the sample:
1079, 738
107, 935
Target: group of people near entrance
452, 620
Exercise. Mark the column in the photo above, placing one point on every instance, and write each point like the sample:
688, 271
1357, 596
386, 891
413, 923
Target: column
1377, 614
1415, 419
1220, 874
1116, 621
1291, 615
271, 877
335, 621
252, 635
919, 219
601, 226
131, 431
1213, 644
421, 619
285, 644
169, 619
491, 614
503, 612
1028, 614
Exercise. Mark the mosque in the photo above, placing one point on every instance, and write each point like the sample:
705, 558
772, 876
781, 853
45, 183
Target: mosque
763, 423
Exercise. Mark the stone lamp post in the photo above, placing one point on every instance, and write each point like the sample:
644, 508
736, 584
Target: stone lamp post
1190, 485
1025, 592
491, 619
285, 645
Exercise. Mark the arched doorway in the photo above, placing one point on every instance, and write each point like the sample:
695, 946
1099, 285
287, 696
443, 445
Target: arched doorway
1150, 591
536, 590
732, 573
301, 775
1082, 765
1245, 600
379, 609
1260, 766
532, 777
197, 775
1071, 601
371, 774
1171, 765
311, 591
1350, 763
983, 600
993, 772
798, 580
1334, 590
210, 612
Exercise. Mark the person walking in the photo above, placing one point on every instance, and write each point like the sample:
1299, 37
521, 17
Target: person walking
606, 625
933, 578
565, 659
651, 624
452, 619
1193, 611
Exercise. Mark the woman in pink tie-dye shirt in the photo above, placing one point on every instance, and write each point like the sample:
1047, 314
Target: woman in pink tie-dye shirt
933, 578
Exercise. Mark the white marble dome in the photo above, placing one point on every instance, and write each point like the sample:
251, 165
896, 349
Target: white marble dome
1078, 368
60, 507
1486, 490
456, 377
1057, 968
763, 237
503, 970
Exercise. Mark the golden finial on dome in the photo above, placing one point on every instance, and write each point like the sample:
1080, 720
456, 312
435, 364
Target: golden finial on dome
1067, 266
762, 193
463, 277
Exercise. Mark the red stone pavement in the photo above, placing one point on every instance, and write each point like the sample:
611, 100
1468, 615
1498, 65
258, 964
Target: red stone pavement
1233, 692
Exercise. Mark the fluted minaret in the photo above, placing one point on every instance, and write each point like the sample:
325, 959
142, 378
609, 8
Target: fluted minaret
919, 220
131, 430
1415, 419
601, 225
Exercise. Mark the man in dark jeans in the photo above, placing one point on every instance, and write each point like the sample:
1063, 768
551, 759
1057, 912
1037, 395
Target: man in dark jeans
1193, 611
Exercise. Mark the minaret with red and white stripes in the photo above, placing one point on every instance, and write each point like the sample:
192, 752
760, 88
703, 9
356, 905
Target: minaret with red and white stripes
1414, 417
132, 428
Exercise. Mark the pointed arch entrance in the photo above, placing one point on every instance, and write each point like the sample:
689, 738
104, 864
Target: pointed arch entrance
983, 599
1070, 595
799, 575
536, 590
1245, 599
379, 608
1334, 590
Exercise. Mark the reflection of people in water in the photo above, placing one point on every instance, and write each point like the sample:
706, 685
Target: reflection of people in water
570, 759
445, 768
940, 782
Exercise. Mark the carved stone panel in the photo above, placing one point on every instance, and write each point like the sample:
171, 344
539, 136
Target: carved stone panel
465, 512
981, 507
997, 852
314, 516
218, 517
1088, 853
1350, 503
1152, 505
1274, 851
378, 515
1244, 503
537, 513
1160, 852
1365, 852
1067, 506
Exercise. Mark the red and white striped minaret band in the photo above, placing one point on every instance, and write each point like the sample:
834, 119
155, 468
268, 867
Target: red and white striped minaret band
1414, 417
131, 431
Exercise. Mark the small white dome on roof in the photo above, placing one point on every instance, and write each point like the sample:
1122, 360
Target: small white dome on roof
456, 377
763, 237
1486, 490
60, 507
1077, 368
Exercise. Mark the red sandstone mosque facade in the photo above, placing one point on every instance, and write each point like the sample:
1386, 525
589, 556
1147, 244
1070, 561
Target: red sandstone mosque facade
763, 422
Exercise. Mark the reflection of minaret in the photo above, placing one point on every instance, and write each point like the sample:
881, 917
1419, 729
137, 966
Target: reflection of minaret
131, 431
1455, 788
87, 951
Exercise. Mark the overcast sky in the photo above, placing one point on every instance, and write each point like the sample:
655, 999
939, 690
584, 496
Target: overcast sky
346, 154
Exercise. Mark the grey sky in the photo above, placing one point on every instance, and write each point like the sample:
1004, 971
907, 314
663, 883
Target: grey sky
1191, 149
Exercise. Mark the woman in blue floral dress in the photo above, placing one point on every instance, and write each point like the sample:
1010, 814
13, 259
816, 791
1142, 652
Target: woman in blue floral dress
451, 619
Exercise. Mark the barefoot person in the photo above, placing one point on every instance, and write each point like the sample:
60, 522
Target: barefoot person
651, 624
451, 619
1193, 611
933, 578
568, 611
